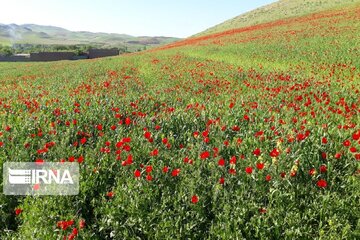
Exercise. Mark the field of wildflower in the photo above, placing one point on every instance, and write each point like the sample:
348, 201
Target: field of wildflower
252, 133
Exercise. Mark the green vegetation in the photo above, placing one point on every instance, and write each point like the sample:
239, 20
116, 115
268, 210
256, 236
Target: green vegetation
78, 49
246, 135
6, 50
29, 48
281, 9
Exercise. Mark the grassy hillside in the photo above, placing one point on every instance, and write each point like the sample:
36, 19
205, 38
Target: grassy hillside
50, 35
246, 134
280, 9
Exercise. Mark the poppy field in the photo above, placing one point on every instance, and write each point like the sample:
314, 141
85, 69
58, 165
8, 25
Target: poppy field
251, 133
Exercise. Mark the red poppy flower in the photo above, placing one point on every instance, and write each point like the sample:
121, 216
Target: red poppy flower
321, 183
165, 169
129, 159
222, 181
356, 136
262, 210
149, 169
323, 168
233, 160
137, 173
175, 172
346, 143
249, 170
260, 166
106, 84
75, 232
221, 162
195, 199
205, 133
80, 159
274, 153
235, 128
82, 224
119, 144
39, 161
18, 211
149, 177
312, 171
300, 137
127, 121
257, 152
268, 178
83, 140
204, 155
147, 135
126, 148
36, 186
110, 194
65, 224
155, 152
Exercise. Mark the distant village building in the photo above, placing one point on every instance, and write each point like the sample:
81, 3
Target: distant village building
27, 55
51, 56
57, 56
98, 53
15, 58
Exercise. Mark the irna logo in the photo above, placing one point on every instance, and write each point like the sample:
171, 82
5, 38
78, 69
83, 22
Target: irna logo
49, 178
20, 176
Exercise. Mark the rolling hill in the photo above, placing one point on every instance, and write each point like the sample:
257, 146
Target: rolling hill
50, 35
280, 9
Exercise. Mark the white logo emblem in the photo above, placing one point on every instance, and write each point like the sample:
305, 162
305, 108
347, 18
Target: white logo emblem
20, 176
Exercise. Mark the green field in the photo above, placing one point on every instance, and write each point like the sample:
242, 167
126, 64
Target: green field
251, 133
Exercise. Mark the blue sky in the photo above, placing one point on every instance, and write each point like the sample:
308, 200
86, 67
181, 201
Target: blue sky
178, 18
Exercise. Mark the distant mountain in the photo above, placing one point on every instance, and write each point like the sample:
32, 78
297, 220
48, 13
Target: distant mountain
50, 35
280, 9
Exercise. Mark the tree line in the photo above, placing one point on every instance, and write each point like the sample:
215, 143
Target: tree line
79, 49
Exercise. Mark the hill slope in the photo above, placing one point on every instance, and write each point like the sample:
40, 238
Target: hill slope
278, 10
38, 34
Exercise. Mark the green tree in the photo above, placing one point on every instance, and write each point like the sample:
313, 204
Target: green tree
6, 51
